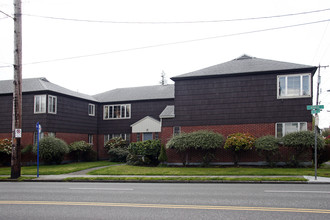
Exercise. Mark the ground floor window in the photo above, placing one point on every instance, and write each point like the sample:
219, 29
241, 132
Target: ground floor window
90, 139
285, 128
147, 136
176, 130
35, 137
107, 137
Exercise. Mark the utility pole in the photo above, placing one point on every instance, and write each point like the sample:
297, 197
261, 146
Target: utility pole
17, 94
317, 117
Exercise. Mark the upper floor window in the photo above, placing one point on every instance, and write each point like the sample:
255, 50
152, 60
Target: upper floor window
294, 86
117, 111
52, 104
283, 129
91, 109
40, 104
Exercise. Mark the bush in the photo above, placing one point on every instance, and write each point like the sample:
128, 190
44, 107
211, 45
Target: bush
5, 151
327, 140
162, 156
144, 152
239, 142
52, 150
78, 149
302, 142
201, 140
117, 149
268, 146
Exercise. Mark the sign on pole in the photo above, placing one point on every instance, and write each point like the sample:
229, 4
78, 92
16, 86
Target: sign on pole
38, 127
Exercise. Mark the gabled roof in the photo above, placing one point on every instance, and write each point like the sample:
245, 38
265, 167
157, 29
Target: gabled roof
244, 64
168, 112
146, 124
137, 93
40, 84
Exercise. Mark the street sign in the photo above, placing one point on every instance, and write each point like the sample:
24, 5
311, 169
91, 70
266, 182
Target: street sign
18, 133
314, 111
311, 107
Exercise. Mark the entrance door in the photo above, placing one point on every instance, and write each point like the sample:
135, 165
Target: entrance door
147, 136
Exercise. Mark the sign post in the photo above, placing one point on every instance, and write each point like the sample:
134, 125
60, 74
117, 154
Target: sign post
315, 109
38, 127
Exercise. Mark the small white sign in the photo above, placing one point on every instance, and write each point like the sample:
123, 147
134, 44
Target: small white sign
18, 133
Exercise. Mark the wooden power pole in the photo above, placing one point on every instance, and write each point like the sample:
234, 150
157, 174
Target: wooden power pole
17, 94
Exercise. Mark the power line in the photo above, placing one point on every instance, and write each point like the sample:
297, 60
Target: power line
176, 22
6, 15
178, 42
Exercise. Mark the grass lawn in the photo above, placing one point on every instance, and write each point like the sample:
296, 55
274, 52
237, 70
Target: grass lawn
188, 179
213, 171
56, 169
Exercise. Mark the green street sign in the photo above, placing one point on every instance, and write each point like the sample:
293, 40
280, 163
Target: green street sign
314, 111
311, 107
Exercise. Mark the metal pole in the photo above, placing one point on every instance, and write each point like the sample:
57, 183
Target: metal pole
38, 127
17, 93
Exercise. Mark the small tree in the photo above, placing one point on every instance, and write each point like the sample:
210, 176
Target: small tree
117, 149
268, 147
78, 149
52, 150
239, 142
206, 141
302, 142
162, 156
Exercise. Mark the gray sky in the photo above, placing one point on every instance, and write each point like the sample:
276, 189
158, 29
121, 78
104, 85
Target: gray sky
92, 46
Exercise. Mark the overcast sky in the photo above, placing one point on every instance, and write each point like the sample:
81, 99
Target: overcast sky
92, 46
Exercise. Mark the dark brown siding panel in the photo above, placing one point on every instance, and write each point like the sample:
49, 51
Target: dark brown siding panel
6, 109
234, 100
139, 110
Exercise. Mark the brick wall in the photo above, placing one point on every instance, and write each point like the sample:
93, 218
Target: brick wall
224, 156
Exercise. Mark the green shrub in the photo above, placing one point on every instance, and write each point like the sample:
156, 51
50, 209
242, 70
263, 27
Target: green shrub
302, 142
162, 156
238, 142
268, 146
5, 151
52, 150
117, 149
206, 141
27, 149
78, 149
144, 152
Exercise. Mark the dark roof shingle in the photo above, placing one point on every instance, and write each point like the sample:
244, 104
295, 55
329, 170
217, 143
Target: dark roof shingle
244, 64
137, 93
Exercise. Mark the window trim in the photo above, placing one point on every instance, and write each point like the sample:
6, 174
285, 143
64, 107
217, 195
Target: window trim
113, 112
301, 86
92, 113
34, 104
283, 128
50, 99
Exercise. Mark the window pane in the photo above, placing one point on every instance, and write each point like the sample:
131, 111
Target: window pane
281, 86
43, 103
110, 111
303, 126
106, 111
293, 87
128, 111
122, 110
291, 127
305, 86
116, 111
279, 130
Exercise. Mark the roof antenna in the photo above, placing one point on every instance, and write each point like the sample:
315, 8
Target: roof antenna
163, 80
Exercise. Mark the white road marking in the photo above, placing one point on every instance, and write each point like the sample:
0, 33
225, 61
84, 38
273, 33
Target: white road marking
111, 189
282, 191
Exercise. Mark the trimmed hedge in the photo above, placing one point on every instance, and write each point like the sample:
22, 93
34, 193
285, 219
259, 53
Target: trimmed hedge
144, 153
79, 150
52, 150
117, 149
268, 146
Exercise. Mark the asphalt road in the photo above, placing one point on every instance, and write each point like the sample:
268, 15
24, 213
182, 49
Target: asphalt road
24, 200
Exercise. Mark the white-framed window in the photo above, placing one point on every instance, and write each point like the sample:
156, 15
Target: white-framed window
285, 128
176, 130
90, 139
51, 134
35, 137
138, 137
294, 86
39, 104
108, 137
91, 109
122, 111
52, 104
